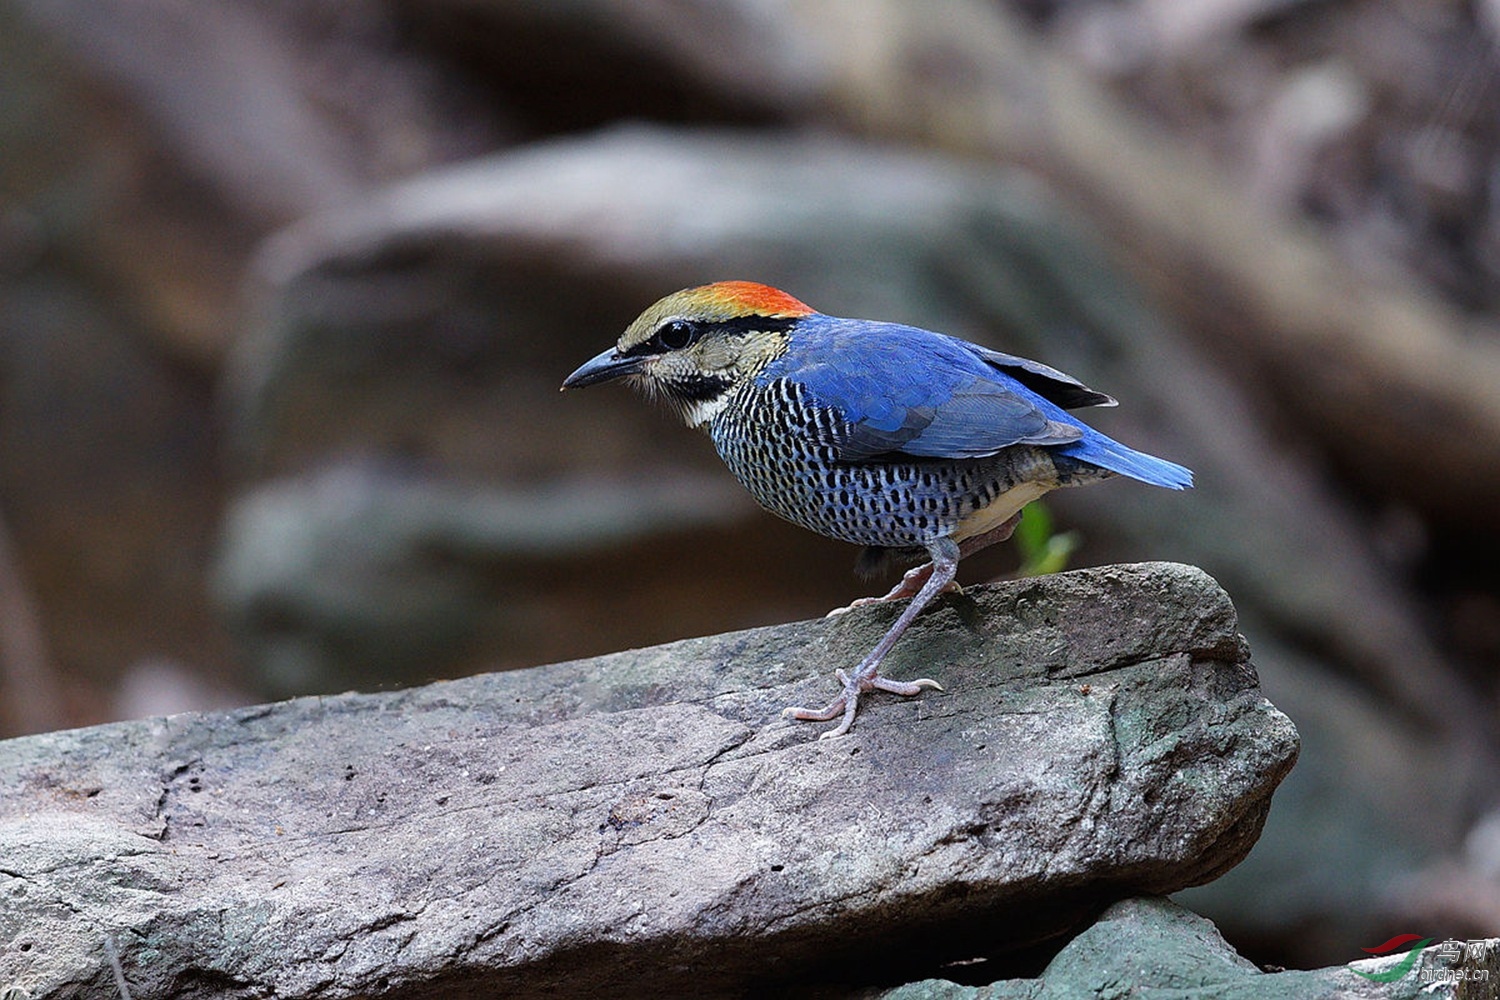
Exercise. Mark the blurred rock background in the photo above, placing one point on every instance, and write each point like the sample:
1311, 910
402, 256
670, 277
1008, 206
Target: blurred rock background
287, 290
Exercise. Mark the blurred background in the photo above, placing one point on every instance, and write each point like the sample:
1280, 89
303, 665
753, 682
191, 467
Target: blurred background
287, 289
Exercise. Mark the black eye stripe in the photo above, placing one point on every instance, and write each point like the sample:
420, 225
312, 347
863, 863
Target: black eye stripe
680, 334
673, 335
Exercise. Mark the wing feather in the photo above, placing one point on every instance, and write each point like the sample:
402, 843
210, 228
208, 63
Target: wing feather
900, 390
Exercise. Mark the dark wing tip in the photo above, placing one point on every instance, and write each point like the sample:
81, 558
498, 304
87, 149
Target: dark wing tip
1046, 381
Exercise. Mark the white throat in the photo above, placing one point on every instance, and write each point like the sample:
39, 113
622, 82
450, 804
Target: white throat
700, 412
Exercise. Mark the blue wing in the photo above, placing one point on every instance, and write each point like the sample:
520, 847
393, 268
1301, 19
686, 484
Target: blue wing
896, 389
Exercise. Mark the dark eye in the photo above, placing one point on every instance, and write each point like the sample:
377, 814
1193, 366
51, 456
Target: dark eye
676, 335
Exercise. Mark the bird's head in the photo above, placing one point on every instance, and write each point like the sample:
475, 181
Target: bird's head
695, 347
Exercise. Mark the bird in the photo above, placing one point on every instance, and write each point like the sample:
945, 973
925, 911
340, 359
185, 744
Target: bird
907, 442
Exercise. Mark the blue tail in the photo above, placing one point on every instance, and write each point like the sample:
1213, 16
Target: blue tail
1110, 454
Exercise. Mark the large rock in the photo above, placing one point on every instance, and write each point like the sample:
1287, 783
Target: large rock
645, 822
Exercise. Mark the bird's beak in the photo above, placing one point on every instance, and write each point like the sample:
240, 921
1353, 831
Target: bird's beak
604, 367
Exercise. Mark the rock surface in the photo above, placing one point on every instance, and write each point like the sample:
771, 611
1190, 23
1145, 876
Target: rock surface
644, 821
1153, 949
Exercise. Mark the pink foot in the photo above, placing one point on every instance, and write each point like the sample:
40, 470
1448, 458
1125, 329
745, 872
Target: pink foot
847, 704
927, 582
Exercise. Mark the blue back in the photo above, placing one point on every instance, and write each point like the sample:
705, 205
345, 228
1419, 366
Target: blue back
903, 390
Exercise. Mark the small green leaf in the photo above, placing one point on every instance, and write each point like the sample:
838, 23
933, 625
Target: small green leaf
1043, 552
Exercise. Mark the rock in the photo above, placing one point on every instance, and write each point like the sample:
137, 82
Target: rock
644, 822
1154, 949
351, 576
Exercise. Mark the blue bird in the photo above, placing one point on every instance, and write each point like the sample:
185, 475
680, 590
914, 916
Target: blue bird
902, 440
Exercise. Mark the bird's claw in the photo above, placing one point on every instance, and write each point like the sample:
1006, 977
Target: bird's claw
904, 688
847, 703
858, 602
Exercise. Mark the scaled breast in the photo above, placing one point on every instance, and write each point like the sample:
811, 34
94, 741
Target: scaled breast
776, 442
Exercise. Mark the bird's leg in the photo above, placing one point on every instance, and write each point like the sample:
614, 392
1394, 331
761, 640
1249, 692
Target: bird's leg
911, 584
866, 677
914, 578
